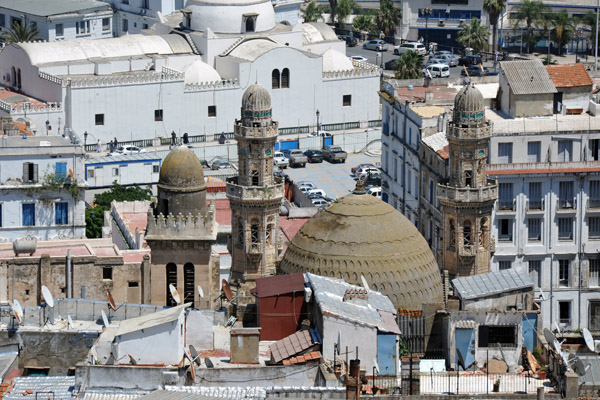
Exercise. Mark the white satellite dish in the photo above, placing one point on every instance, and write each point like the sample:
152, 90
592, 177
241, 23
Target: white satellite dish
17, 310
364, 281
174, 293
549, 336
105, 319
557, 328
339, 342
195, 355
542, 294
47, 296
200, 291
70, 322
375, 365
589, 340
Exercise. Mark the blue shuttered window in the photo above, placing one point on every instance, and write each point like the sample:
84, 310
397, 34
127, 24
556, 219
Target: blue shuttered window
61, 213
28, 214
61, 170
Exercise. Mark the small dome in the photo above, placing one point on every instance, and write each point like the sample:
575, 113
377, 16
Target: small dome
256, 98
469, 105
231, 16
333, 61
315, 32
362, 235
181, 171
200, 72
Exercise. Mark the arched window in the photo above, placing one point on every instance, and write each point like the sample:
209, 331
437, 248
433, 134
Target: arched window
240, 231
19, 78
285, 78
13, 76
254, 237
467, 233
275, 83
188, 283
452, 241
255, 176
250, 24
171, 271
483, 232
269, 234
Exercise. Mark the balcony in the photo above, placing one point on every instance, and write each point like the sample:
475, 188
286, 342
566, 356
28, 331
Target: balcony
506, 205
255, 192
566, 205
467, 250
542, 167
488, 193
535, 205
593, 203
254, 253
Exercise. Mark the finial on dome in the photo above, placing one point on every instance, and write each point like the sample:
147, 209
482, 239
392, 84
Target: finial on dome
360, 187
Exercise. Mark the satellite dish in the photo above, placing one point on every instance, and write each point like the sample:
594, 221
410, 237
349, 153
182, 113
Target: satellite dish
364, 281
105, 319
174, 293
47, 296
200, 291
132, 360
193, 371
375, 365
461, 361
70, 322
111, 301
589, 340
549, 336
195, 355
18, 310
557, 328
542, 294
226, 290
556, 346
209, 364
339, 342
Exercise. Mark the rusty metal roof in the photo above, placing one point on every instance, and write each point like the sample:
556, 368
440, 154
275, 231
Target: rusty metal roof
527, 77
279, 284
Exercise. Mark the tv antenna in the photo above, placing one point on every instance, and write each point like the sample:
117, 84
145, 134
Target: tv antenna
174, 293
18, 311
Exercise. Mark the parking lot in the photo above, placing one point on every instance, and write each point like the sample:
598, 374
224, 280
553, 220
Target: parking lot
335, 179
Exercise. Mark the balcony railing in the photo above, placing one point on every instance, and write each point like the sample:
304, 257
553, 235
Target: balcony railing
567, 204
535, 204
560, 165
506, 205
593, 203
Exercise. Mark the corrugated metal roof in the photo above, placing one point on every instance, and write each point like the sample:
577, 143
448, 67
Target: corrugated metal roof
32, 387
113, 394
527, 77
201, 393
279, 284
329, 294
45, 8
125, 158
150, 320
437, 141
483, 285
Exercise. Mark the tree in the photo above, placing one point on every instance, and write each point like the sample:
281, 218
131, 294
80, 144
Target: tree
473, 35
589, 20
19, 32
530, 12
364, 23
388, 17
343, 10
409, 66
564, 26
332, 10
312, 12
494, 8
94, 216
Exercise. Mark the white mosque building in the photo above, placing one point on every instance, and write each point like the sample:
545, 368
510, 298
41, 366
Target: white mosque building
187, 74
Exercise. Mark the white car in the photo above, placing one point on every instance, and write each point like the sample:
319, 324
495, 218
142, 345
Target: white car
404, 48
363, 171
130, 150
375, 191
280, 160
438, 70
319, 202
320, 134
358, 58
319, 192
307, 184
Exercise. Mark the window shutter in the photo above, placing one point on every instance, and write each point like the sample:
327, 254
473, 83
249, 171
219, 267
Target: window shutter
26, 172
35, 173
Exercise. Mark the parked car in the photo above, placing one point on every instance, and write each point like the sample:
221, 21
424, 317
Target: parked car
320, 192
319, 202
438, 70
334, 153
306, 183
220, 164
295, 157
350, 40
376, 44
361, 172
433, 61
404, 48
449, 59
391, 65
475, 70
353, 169
130, 150
470, 60
320, 134
314, 155
280, 160
358, 58
374, 191
318, 196
372, 179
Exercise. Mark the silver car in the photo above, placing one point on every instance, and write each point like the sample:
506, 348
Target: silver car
376, 44
434, 61
447, 58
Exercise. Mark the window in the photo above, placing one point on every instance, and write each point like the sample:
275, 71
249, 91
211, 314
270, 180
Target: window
145, 26
534, 150
452, 234
594, 194
30, 172
28, 214
505, 229
467, 233
107, 273
430, 191
133, 284
347, 100
565, 228
125, 1
90, 172
564, 273
254, 236
17, 21
490, 336
535, 271
594, 322
59, 30
564, 312
504, 153
594, 227
146, 4
240, 231
504, 265
409, 181
565, 194
212, 111
250, 24
156, 169
115, 172
2, 20
275, 79
594, 272
61, 171
99, 119
61, 213
565, 150
468, 178
505, 196
125, 25
0, 214
535, 195
255, 177
534, 229
158, 115
105, 24
595, 149
285, 78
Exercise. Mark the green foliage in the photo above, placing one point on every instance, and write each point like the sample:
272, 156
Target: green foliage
531, 12
19, 32
364, 23
589, 20
388, 17
409, 66
343, 10
494, 8
473, 35
94, 216
564, 26
52, 182
313, 12
402, 347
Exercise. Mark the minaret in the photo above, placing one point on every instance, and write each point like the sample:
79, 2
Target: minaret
256, 198
467, 200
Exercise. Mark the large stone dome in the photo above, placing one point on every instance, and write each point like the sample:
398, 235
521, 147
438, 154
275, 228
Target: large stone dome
256, 98
469, 106
360, 234
181, 171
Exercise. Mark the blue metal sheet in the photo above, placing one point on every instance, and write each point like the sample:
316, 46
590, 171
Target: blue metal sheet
329, 141
287, 145
386, 353
465, 342
529, 333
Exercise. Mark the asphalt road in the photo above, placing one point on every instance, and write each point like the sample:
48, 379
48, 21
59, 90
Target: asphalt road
335, 179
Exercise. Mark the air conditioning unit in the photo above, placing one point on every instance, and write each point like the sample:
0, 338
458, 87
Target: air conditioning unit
441, 22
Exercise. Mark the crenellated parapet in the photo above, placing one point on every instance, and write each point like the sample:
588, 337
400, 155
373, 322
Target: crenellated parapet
365, 70
129, 79
30, 107
183, 227
222, 84
50, 78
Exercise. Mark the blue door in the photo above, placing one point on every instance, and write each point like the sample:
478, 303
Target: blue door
386, 353
328, 141
465, 342
529, 335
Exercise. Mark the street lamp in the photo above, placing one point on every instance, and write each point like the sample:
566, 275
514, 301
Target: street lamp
426, 13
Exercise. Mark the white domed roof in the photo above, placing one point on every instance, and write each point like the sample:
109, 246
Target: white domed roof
230, 16
200, 72
333, 60
315, 32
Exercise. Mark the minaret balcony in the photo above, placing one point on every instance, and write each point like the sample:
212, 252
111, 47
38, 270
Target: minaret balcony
255, 192
467, 250
467, 194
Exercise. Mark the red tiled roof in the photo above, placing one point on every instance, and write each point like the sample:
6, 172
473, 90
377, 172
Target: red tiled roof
569, 75
290, 346
445, 152
290, 227
279, 284
223, 212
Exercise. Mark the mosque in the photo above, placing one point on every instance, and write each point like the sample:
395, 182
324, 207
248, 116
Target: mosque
185, 72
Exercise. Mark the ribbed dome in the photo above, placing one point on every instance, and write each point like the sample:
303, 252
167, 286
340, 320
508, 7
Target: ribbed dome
360, 234
256, 98
199, 72
468, 105
181, 171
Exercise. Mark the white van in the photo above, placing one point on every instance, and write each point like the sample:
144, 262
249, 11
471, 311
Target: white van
375, 191
439, 70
